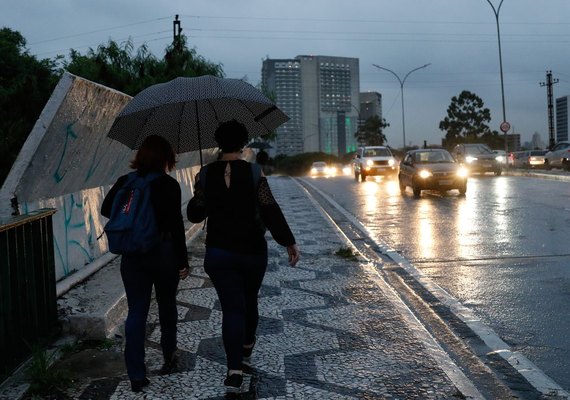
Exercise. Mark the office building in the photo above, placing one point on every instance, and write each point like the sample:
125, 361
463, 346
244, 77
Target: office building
320, 94
561, 118
370, 105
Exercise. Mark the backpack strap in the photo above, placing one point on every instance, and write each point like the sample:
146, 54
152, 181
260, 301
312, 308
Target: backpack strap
256, 173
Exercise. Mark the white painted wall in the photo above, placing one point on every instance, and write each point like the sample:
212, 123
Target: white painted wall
68, 163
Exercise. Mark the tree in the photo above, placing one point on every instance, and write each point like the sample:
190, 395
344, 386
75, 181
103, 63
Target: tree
466, 119
121, 68
372, 132
26, 84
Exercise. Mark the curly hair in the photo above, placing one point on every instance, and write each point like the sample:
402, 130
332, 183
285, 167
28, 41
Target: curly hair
231, 136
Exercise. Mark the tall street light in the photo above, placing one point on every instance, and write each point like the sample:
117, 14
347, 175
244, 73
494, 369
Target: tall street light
505, 126
402, 81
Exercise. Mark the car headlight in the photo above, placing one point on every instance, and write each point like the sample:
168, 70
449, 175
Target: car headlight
369, 163
313, 170
332, 170
424, 173
470, 159
500, 159
391, 162
462, 172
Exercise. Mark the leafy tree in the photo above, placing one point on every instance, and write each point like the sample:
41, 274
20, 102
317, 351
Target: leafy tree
182, 61
466, 119
372, 132
26, 84
121, 68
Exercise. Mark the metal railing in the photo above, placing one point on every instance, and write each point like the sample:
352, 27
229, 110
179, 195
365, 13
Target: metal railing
28, 303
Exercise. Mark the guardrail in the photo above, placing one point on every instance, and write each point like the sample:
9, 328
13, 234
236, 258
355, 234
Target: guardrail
28, 303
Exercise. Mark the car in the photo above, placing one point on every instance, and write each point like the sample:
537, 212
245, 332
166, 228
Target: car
558, 156
374, 161
319, 168
501, 156
529, 159
431, 169
536, 158
478, 158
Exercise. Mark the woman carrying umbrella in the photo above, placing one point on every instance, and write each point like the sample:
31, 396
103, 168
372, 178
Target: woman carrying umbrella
236, 249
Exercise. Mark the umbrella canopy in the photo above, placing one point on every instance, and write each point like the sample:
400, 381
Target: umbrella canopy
259, 145
187, 111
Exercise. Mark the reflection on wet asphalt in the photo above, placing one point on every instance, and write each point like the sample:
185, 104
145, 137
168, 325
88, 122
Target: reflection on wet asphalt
502, 250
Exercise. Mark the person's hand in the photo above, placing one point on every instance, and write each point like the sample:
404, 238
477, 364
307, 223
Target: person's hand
294, 255
183, 273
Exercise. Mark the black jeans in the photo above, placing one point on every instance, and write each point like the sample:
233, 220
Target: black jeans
140, 273
237, 279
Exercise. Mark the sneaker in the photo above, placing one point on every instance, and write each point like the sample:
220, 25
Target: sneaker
137, 386
233, 382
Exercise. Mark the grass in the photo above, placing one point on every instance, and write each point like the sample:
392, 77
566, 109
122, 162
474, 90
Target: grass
46, 381
43, 379
346, 252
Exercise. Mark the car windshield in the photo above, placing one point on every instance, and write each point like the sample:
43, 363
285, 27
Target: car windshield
377, 153
319, 164
478, 149
433, 157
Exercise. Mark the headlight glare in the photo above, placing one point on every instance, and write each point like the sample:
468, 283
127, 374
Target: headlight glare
369, 163
391, 162
462, 172
424, 173
470, 159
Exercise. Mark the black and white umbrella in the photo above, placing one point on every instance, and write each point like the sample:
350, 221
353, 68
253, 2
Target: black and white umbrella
187, 111
260, 145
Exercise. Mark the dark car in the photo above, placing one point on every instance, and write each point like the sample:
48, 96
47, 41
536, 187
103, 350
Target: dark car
478, 158
431, 169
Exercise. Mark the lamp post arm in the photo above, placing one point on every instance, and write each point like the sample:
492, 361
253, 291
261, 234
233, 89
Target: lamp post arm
392, 72
415, 69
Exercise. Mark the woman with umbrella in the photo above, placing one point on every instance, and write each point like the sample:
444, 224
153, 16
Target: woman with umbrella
236, 250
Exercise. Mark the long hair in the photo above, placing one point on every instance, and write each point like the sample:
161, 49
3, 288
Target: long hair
154, 154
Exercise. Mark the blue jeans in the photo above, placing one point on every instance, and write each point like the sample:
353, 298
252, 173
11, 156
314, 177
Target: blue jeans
237, 279
140, 273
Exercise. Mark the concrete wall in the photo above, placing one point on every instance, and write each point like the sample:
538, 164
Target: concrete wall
68, 163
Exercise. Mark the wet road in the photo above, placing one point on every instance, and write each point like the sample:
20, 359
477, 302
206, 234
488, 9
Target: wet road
502, 250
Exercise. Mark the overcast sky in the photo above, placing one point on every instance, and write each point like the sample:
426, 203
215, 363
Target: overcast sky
458, 38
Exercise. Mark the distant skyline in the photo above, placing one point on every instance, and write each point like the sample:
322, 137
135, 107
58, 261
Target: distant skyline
458, 38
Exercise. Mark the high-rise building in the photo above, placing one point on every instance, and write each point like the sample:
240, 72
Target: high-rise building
320, 94
562, 118
370, 105
282, 80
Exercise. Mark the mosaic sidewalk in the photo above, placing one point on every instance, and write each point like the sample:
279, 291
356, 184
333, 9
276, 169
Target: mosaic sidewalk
326, 330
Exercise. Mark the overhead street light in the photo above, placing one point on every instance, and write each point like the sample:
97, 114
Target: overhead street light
505, 126
402, 81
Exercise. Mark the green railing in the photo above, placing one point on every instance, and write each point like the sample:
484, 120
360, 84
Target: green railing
28, 304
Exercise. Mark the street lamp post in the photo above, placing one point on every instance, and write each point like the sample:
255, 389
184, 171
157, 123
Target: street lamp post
504, 125
402, 81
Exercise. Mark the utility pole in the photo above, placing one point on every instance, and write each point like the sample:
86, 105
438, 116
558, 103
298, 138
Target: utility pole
549, 95
176, 30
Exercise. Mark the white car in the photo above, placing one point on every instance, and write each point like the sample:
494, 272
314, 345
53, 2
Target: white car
558, 157
373, 161
319, 168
